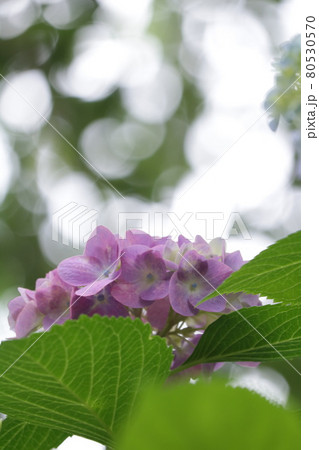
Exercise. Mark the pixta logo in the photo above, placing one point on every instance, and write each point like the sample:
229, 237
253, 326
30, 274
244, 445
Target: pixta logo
207, 224
73, 224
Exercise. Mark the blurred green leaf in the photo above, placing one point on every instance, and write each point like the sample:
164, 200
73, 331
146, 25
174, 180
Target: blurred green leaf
83, 377
209, 417
260, 333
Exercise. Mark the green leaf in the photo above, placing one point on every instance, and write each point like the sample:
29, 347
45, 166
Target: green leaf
260, 333
274, 273
209, 417
83, 377
25, 436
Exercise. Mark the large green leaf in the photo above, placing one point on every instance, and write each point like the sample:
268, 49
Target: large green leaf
25, 436
210, 417
274, 273
83, 377
260, 333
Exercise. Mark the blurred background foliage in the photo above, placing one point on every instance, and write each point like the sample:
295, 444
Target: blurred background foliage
288, 68
144, 95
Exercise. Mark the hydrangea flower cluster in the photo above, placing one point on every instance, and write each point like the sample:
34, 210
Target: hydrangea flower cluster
157, 280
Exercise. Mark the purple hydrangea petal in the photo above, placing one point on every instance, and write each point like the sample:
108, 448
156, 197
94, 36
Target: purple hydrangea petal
191, 261
125, 294
216, 273
49, 320
15, 306
184, 352
151, 261
81, 305
248, 300
26, 294
100, 260
213, 249
102, 246
218, 366
234, 260
170, 265
182, 240
153, 278
139, 237
146, 272
97, 285
114, 309
178, 296
102, 303
240, 300
159, 249
157, 291
53, 298
196, 278
39, 281
248, 363
79, 270
216, 304
161, 240
169, 253
24, 316
202, 247
28, 319
130, 272
157, 313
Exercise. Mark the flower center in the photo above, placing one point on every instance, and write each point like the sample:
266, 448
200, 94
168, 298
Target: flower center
193, 286
150, 277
